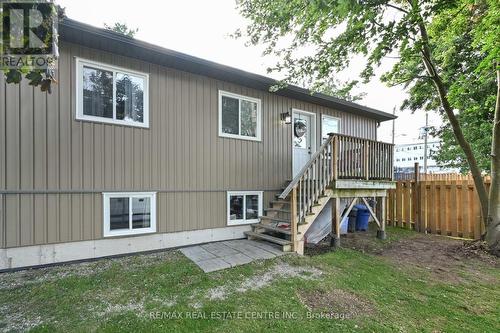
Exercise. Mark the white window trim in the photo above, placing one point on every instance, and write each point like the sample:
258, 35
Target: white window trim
259, 116
323, 116
107, 232
79, 93
243, 221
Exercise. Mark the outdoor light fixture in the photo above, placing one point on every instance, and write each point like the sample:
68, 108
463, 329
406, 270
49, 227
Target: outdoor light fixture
286, 117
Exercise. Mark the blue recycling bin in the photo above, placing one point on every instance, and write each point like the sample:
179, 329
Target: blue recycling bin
362, 216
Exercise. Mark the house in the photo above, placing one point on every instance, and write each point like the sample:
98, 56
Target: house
141, 148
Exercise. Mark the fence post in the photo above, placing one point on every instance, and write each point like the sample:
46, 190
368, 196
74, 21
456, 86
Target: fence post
416, 196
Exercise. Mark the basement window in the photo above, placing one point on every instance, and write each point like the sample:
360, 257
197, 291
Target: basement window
129, 213
239, 116
244, 207
110, 94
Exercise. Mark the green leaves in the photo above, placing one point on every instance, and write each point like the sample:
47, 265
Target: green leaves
36, 77
462, 50
42, 78
13, 76
314, 40
121, 28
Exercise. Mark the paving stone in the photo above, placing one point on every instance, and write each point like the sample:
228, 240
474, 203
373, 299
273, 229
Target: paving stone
212, 265
251, 251
197, 253
221, 255
237, 259
219, 249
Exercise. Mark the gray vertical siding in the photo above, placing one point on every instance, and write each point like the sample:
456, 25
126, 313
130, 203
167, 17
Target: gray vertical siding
53, 168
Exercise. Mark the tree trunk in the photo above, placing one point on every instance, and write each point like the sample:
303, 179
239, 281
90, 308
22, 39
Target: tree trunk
493, 221
455, 125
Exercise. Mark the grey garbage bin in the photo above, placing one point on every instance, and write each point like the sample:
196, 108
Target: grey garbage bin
351, 226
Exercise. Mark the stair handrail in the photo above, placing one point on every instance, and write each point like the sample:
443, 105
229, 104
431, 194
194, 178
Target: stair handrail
315, 156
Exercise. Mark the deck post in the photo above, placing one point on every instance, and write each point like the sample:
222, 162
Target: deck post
294, 220
335, 158
381, 232
335, 236
366, 159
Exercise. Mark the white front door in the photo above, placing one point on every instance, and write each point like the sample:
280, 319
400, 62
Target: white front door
303, 139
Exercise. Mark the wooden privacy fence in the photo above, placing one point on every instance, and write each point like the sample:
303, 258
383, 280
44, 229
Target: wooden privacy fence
435, 176
446, 207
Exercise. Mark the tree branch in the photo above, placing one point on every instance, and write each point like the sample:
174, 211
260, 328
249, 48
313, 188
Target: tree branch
397, 8
422, 77
493, 221
455, 125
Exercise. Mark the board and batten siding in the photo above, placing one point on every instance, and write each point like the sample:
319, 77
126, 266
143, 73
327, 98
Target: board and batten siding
54, 168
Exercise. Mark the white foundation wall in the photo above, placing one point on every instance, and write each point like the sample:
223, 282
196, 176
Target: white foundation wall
29, 256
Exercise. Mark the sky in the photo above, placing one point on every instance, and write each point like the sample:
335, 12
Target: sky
202, 28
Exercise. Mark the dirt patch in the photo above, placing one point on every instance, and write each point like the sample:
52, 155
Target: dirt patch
337, 302
108, 309
476, 250
446, 259
365, 242
18, 321
279, 271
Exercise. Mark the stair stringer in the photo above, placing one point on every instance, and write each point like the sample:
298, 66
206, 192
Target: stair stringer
316, 210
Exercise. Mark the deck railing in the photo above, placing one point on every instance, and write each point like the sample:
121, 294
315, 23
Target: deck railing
364, 159
339, 157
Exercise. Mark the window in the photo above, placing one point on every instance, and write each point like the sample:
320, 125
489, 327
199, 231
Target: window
111, 95
129, 213
239, 116
329, 124
244, 207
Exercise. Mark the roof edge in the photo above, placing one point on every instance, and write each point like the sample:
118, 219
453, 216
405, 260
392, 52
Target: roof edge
106, 40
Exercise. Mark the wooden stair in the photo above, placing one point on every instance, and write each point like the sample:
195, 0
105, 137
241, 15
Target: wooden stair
275, 225
285, 244
302, 199
281, 229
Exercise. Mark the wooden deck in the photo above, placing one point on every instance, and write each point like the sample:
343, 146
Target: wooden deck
343, 167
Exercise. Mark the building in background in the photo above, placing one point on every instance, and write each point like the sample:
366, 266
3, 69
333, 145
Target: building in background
406, 155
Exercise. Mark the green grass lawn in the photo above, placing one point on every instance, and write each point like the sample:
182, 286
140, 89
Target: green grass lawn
362, 289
